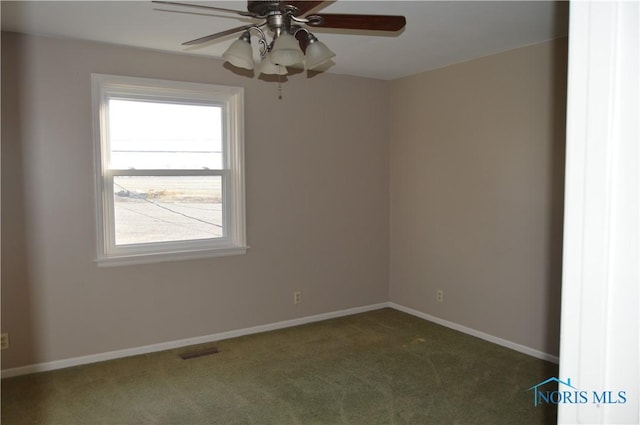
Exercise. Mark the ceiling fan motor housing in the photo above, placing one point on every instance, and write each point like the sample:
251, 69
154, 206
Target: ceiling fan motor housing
263, 7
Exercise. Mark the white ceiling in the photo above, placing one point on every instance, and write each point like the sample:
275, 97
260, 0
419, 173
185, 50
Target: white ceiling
437, 33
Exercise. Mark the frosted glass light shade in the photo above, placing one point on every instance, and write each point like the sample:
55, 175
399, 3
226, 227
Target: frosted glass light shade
270, 68
239, 53
286, 50
317, 54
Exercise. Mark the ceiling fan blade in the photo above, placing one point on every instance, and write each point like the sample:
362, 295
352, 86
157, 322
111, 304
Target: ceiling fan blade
357, 22
303, 6
199, 6
216, 35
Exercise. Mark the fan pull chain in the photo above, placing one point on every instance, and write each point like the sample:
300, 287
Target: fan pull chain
279, 86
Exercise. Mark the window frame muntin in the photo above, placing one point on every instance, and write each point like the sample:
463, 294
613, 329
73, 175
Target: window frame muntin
230, 99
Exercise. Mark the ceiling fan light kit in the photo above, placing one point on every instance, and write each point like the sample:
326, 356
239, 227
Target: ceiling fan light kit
317, 52
267, 67
286, 50
292, 44
239, 53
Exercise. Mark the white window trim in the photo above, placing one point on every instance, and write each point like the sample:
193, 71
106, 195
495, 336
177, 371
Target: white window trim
231, 100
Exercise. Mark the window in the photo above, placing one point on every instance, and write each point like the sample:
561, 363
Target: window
169, 170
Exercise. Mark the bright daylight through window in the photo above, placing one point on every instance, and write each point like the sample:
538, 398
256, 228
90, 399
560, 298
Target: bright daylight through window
169, 159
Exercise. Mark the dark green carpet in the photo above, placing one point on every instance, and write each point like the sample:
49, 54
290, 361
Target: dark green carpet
381, 367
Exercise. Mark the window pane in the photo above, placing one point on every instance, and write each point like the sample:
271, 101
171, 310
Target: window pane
165, 209
150, 135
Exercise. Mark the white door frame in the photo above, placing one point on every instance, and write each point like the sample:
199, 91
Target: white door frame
600, 332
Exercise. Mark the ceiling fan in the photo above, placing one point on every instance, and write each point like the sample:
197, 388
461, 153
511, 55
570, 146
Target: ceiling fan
292, 43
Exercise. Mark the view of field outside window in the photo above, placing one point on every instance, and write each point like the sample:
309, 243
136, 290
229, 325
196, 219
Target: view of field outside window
165, 139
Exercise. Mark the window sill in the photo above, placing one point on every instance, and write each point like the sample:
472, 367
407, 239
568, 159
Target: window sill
129, 260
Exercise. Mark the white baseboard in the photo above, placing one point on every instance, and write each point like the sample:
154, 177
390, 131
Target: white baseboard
93, 358
478, 334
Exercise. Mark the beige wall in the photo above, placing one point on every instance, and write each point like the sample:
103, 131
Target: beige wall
462, 165
317, 185
476, 180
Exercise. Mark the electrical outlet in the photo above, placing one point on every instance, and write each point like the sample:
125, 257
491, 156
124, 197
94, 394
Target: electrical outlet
4, 341
297, 297
439, 295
